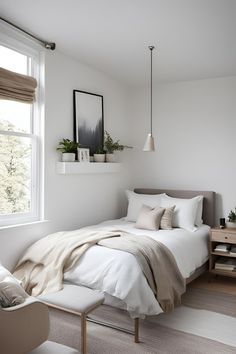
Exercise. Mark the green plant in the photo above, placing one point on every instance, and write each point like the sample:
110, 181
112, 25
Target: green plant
232, 215
110, 145
100, 150
67, 145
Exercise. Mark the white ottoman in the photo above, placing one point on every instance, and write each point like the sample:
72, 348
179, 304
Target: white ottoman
77, 300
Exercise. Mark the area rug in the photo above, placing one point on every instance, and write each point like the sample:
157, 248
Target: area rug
204, 323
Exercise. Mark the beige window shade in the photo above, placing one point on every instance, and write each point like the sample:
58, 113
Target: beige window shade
17, 87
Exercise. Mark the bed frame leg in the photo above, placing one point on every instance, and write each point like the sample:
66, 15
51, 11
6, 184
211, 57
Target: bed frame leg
136, 330
83, 334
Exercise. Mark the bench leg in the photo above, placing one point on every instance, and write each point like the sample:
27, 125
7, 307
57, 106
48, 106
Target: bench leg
83, 334
136, 330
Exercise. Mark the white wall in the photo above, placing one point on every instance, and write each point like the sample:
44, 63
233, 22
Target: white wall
72, 201
194, 127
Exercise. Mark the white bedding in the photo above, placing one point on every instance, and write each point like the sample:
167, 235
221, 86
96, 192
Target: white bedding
118, 274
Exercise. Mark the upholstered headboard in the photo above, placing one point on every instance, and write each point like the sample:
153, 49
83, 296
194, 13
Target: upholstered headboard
208, 200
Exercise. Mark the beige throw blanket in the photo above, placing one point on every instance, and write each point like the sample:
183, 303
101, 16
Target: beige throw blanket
157, 264
42, 266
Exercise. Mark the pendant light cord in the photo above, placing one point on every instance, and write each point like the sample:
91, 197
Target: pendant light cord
151, 47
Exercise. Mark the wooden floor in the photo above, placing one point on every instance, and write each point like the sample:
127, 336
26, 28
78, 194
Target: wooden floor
215, 283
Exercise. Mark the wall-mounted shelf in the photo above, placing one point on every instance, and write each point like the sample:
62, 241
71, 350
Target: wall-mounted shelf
87, 167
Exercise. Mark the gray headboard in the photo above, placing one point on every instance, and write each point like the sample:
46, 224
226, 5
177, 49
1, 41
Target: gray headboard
208, 200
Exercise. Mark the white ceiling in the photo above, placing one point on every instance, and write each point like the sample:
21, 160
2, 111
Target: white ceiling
194, 39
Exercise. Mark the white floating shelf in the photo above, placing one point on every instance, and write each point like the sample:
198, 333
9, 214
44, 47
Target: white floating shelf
87, 167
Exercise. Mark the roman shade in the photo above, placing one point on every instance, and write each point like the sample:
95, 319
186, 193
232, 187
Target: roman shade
17, 87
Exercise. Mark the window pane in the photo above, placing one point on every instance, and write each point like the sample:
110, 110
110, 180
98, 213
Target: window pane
15, 116
15, 174
12, 60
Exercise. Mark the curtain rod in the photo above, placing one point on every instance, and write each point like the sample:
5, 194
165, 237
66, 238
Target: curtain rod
47, 45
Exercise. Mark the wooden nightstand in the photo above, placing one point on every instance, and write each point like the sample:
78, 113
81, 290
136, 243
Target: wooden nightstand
218, 236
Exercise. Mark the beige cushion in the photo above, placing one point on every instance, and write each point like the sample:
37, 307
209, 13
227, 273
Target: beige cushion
74, 298
53, 348
149, 218
167, 217
11, 293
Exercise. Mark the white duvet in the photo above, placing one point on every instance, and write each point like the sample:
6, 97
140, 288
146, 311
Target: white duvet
118, 274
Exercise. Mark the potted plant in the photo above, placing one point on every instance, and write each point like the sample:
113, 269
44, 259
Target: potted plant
232, 218
68, 148
110, 146
99, 155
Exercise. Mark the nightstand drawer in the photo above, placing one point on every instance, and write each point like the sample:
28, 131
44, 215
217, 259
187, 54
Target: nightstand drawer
223, 237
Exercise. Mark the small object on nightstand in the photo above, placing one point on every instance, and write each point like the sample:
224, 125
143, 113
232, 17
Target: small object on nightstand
223, 247
222, 223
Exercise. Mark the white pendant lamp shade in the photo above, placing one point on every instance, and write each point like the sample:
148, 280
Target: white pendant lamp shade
149, 143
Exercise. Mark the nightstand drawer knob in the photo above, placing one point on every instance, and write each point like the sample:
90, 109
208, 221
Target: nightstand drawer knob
226, 237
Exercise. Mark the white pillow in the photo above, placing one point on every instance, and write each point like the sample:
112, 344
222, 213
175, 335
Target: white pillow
136, 201
185, 211
4, 273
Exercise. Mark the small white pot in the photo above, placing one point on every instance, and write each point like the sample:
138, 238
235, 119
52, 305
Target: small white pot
110, 158
68, 157
231, 224
99, 157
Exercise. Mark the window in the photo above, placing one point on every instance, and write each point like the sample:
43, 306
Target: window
20, 180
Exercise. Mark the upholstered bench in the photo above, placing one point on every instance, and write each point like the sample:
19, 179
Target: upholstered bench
77, 300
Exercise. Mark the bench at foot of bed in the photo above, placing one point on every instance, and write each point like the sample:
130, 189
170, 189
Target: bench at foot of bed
77, 300
81, 301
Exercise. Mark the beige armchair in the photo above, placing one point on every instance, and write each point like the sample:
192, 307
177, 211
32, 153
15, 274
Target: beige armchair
24, 329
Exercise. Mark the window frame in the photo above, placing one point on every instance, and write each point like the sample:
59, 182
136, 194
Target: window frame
16, 42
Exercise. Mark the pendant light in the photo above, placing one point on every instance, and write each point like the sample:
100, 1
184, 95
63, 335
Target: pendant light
149, 143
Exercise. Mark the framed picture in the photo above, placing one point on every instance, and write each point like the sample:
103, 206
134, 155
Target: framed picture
83, 155
88, 120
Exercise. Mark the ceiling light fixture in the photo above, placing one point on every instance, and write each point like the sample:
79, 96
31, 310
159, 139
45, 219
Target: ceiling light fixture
149, 143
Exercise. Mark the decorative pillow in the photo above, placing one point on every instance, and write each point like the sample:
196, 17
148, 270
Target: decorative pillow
199, 221
149, 218
185, 211
167, 218
137, 200
11, 292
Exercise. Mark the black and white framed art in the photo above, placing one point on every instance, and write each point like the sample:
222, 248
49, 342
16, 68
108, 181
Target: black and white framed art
88, 120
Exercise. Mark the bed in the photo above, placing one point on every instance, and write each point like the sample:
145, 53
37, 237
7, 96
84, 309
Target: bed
118, 274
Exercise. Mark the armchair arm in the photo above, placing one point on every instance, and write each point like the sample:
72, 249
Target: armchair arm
28, 300
23, 327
